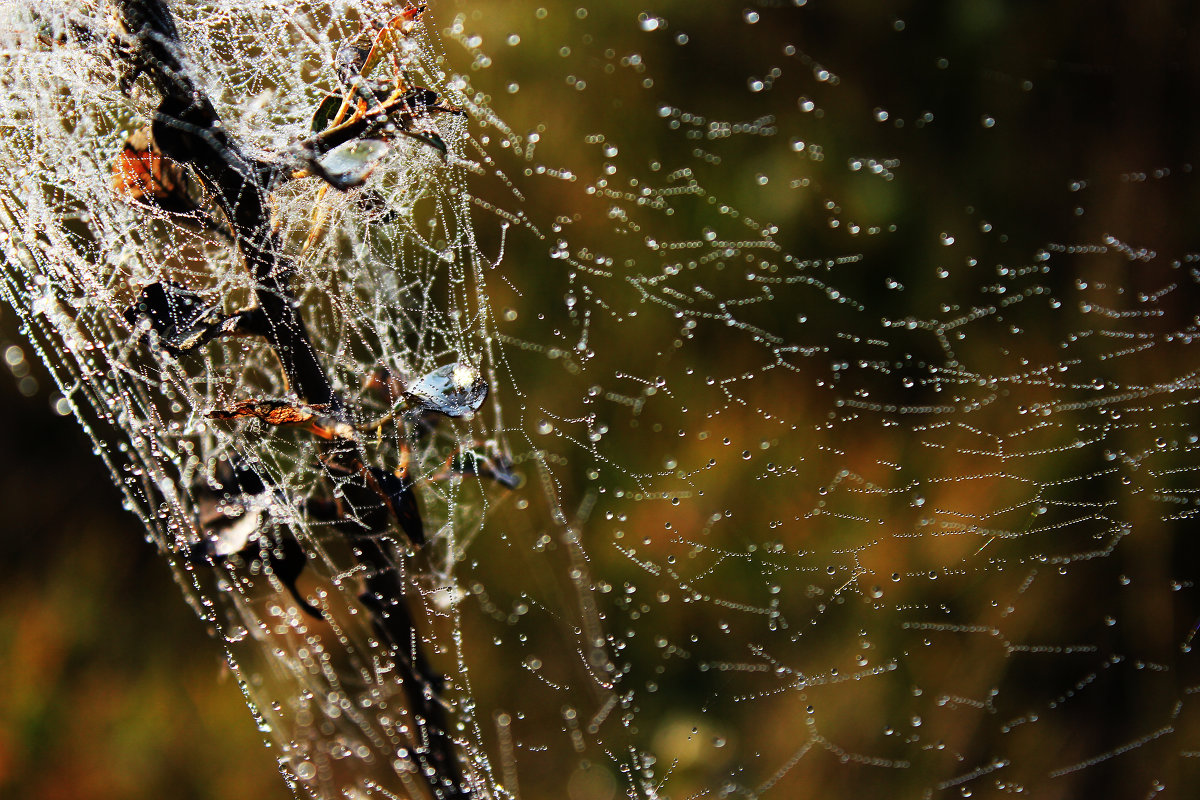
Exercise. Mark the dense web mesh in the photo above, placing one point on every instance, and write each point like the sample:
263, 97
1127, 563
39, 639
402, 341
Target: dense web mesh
840, 429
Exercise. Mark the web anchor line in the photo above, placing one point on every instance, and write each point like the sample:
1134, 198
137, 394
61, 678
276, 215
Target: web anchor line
187, 129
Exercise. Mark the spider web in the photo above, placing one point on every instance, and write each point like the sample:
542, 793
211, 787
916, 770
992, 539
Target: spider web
846, 355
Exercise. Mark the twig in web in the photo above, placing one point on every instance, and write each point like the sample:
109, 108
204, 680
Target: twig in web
187, 130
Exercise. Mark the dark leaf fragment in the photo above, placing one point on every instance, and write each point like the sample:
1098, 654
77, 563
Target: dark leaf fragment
326, 111
184, 319
374, 499
179, 316
236, 525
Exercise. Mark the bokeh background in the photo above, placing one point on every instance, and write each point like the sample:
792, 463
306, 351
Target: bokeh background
1056, 123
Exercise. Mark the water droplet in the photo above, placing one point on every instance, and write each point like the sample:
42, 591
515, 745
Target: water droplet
454, 390
350, 164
